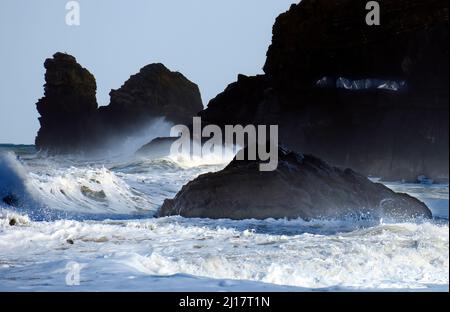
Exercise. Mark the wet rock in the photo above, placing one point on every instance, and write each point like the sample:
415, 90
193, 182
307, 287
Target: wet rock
303, 186
95, 195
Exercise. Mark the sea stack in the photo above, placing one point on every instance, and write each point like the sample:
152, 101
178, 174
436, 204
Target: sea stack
154, 92
72, 122
68, 107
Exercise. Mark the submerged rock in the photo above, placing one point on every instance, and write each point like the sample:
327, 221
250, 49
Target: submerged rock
95, 195
303, 186
157, 148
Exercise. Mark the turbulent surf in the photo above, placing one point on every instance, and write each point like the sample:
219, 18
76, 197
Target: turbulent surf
100, 214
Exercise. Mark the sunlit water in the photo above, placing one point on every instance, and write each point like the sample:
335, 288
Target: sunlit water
99, 214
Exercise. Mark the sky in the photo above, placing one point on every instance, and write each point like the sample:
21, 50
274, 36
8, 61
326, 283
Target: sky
209, 41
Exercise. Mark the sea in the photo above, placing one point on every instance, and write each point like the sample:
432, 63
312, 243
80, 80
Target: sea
76, 223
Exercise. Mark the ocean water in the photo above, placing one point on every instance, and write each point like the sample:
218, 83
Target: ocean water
87, 224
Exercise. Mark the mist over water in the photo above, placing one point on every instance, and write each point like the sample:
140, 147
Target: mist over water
105, 207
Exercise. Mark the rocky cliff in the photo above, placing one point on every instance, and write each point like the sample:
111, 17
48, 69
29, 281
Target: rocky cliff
373, 98
153, 92
71, 122
68, 107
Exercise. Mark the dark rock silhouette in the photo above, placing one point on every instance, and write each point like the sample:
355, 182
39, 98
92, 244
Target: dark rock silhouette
11, 200
68, 106
72, 122
157, 148
396, 129
303, 186
154, 92
319, 38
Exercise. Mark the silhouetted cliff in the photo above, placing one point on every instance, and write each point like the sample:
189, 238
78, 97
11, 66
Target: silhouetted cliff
373, 98
71, 122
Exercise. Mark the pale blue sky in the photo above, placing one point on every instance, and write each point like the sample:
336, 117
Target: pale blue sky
209, 41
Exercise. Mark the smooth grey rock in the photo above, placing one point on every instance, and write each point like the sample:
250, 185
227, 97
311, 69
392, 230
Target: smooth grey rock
303, 186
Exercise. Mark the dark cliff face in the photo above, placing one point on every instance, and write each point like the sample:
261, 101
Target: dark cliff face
373, 98
68, 106
319, 38
72, 123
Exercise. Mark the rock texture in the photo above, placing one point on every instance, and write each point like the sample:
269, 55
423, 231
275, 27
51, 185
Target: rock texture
397, 135
154, 92
68, 106
72, 122
319, 38
303, 186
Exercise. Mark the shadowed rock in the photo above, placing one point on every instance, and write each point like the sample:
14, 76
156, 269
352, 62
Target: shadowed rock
303, 186
153, 92
396, 129
68, 107
157, 148
71, 122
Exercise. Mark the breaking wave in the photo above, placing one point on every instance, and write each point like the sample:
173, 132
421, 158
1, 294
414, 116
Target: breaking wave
100, 214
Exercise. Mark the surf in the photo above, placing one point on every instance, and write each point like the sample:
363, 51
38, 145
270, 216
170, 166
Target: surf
99, 213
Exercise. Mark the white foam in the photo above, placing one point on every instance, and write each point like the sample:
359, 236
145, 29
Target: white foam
133, 255
389, 256
209, 158
88, 190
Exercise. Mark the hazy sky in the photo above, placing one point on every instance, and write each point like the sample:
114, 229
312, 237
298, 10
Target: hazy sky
209, 41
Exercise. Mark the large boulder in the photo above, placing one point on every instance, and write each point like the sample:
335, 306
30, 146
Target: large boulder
68, 106
373, 98
303, 186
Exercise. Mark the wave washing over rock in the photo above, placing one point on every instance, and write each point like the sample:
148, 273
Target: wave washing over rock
302, 186
380, 108
99, 214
